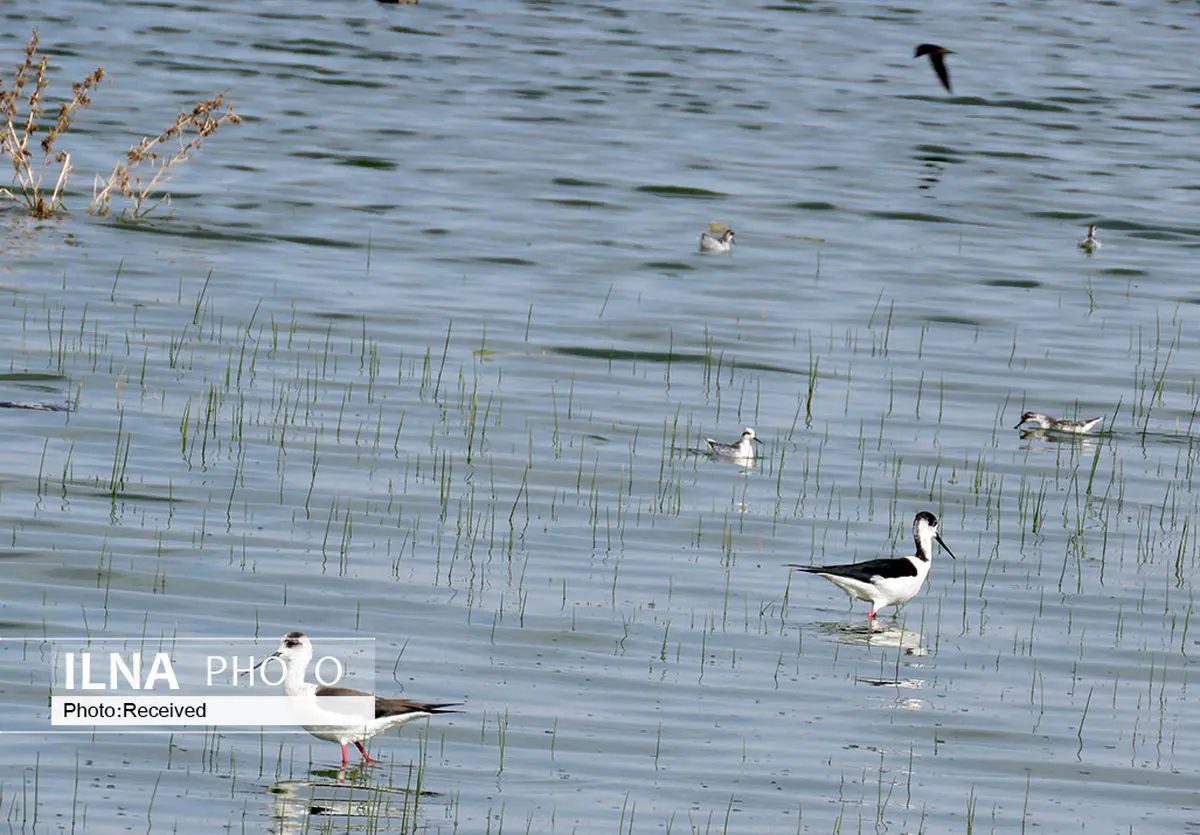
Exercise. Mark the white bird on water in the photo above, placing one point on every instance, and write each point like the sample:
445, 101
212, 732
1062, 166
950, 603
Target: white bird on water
1053, 424
317, 703
742, 451
1090, 243
718, 238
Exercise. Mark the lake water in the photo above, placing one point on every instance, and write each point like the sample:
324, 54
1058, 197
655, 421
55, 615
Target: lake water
426, 351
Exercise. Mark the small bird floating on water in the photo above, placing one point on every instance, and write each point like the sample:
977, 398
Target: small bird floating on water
1089, 243
296, 651
1072, 427
742, 451
891, 581
936, 57
36, 407
718, 238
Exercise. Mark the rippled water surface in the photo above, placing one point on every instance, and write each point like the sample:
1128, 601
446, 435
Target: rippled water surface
425, 352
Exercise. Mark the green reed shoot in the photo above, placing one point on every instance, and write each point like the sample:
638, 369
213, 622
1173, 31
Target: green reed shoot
625, 808
502, 739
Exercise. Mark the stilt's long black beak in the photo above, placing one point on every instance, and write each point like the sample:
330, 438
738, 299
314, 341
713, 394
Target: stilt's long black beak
267, 658
945, 547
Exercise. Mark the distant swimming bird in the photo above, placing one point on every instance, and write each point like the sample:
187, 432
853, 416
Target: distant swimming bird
713, 243
891, 581
1073, 427
1090, 243
37, 407
743, 450
296, 651
936, 57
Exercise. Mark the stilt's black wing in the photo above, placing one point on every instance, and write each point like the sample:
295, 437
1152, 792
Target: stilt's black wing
391, 707
865, 571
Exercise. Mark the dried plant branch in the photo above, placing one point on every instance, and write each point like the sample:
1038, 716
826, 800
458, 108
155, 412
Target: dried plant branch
22, 107
22, 114
189, 131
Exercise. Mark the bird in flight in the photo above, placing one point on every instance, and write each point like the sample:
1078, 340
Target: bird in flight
936, 58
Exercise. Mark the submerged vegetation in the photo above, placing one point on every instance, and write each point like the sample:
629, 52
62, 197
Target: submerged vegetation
23, 105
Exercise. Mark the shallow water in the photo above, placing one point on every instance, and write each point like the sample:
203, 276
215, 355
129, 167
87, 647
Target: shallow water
425, 352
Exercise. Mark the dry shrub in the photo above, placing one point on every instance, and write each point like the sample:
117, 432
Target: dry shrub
21, 107
185, 135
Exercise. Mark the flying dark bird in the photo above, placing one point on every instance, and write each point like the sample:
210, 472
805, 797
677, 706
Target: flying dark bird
935, 54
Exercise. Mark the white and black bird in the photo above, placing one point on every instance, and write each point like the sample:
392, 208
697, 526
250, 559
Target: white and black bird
1089, 243
742, 451
318, 704
892, 581
1053, 424
718, 238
